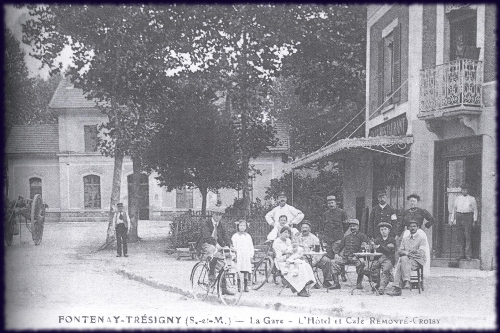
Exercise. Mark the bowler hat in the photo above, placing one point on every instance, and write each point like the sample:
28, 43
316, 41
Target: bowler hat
384, 224
381, 193
353, 221
330, 198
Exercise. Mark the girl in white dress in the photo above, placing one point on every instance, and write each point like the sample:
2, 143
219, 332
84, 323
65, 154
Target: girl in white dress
243, 245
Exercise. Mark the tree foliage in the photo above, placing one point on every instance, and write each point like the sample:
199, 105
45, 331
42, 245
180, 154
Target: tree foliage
309, 191
195, 147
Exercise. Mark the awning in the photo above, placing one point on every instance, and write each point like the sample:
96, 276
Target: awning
352, 143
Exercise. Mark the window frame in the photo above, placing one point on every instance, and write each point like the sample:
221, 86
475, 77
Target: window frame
93, 188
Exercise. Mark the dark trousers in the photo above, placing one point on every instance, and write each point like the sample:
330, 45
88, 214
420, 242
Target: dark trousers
381, 271
464, 227
339, 264
325, 264
121, 239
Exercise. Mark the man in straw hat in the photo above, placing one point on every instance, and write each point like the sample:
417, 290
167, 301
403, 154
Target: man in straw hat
121, 222
351, 243
381, 269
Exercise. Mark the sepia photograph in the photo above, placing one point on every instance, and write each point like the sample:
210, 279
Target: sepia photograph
250, 166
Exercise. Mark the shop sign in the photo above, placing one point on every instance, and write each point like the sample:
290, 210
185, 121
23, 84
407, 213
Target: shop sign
397, 126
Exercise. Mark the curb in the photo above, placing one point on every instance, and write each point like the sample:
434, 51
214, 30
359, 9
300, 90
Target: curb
333, 311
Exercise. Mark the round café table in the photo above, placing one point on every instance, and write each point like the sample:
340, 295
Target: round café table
370, 257
309, 255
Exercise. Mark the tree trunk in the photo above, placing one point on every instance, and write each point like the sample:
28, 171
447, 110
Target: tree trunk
115, 197
245, 159
134, 204
204, 193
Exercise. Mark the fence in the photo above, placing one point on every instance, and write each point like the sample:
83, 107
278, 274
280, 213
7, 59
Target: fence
186, 228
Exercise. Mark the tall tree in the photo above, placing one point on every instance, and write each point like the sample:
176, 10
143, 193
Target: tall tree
121, 56
195, 147
325, 75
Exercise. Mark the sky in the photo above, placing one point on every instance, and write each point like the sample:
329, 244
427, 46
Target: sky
14, 17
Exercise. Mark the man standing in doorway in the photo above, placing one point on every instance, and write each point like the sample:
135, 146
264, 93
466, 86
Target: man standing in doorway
382, 213
464, 215
121, 222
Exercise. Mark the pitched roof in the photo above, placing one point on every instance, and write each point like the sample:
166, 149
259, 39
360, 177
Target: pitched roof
33, 139
67, 96
283, 135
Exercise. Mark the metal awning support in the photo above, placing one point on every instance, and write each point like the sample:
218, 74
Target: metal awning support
351, 143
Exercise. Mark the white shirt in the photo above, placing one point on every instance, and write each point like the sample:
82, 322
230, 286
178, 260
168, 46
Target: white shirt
294, 216
465, 204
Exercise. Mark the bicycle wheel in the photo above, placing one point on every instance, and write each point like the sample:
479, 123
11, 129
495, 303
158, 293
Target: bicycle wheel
227, 281
261, 273
199, 281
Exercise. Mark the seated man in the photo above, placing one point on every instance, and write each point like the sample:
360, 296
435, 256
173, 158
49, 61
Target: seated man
309, 241
214, 237
381, 269
351, 244
411, 253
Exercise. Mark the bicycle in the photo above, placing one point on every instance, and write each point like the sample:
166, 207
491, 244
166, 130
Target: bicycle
264, 268
227, 277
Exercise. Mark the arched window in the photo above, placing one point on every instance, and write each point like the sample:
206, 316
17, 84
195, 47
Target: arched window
92, 191
35, 187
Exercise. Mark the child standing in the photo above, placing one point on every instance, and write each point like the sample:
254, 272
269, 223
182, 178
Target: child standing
243, 244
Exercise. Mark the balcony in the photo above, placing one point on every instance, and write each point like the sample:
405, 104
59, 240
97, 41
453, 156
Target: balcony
451, 90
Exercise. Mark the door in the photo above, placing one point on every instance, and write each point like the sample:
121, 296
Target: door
143, 195
456, 171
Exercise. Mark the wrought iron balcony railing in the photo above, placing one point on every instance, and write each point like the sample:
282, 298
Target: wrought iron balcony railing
454, 85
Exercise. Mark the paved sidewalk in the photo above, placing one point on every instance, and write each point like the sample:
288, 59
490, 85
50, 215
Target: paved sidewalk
448, 296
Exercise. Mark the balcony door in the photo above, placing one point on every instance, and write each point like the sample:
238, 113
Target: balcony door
463, 37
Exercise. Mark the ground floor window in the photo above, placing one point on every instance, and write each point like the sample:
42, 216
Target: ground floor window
92, 191
389, 175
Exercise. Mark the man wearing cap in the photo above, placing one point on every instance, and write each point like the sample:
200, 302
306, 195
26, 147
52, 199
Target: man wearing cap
351, 244
308, 240
334, 225
121, 222
382, 213
214, 236
411, 254
381, 269
294, 216
464, 215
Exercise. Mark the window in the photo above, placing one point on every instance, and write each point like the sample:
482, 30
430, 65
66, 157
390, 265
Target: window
389, 67
35, 187
90, 138
184, 198
92, 191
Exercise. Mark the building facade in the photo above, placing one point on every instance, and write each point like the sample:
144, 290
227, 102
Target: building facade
62, 162
431, 121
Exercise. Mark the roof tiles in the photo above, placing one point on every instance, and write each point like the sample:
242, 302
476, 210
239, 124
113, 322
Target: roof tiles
33, 139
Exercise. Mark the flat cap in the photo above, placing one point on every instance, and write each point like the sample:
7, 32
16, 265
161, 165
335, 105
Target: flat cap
281, 194
385, 224
120, 204
353, 221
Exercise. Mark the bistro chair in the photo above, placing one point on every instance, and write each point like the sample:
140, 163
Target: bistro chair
417, 278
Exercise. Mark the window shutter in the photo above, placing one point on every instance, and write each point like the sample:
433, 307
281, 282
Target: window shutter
396, 66
380, 69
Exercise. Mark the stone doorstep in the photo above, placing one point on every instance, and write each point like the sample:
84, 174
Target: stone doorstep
329, 310
469, 264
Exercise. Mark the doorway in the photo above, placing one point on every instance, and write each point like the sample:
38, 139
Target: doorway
452, 171
143, 195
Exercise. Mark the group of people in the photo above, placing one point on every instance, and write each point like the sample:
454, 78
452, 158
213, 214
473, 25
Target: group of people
400, 240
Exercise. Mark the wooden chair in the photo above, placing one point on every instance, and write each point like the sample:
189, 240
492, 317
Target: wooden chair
417, 277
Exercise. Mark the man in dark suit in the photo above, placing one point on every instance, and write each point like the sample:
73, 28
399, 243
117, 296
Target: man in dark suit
121, 222
382, 213
214, 236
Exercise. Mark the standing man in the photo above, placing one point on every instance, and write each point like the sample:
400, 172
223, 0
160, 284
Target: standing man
334, 225
382, 213
121, 222
351, 243
214, 237
411, 254
294, 216
464, 215
309, 241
